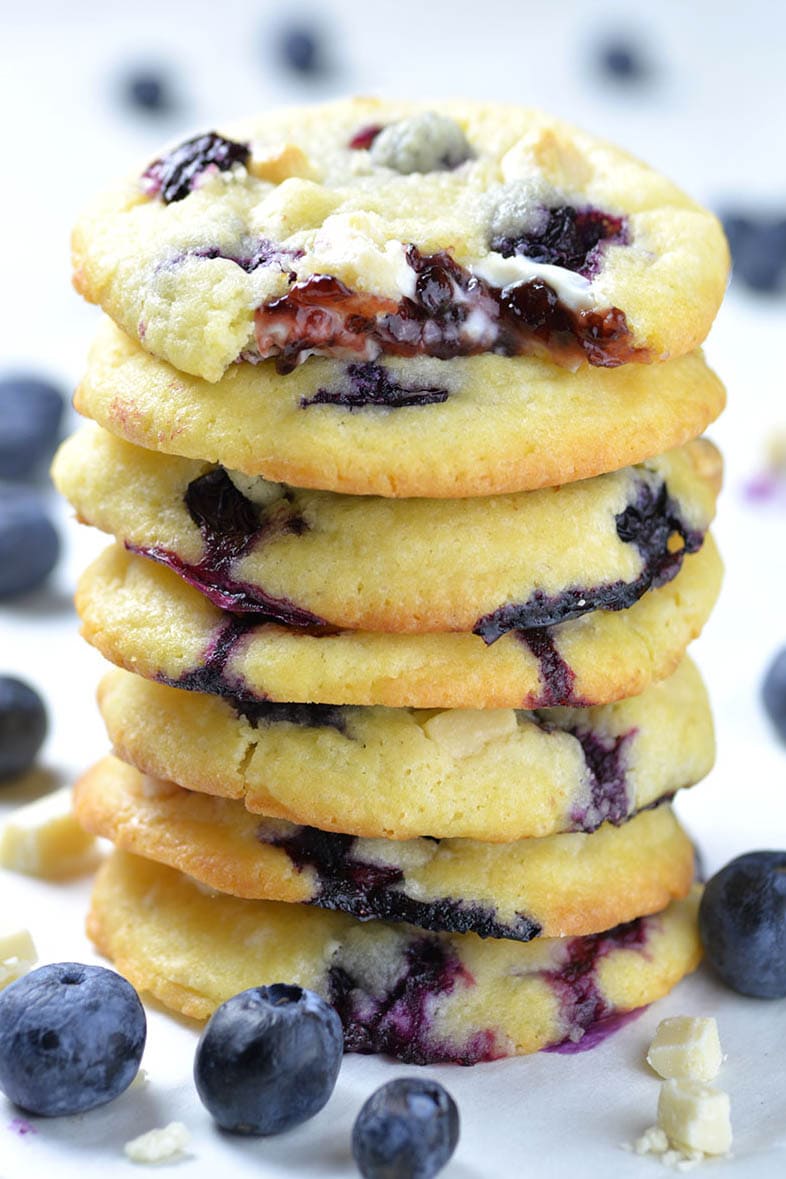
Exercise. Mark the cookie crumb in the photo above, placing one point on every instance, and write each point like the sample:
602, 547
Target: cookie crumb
163, 1145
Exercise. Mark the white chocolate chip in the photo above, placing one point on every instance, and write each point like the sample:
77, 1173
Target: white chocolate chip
695, 1117
256, 489
687, 1048
159, 1146
422, 143
464, 731
280, 162
17, 955
45, 839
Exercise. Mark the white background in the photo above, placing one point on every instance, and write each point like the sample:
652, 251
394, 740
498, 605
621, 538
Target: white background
711, 117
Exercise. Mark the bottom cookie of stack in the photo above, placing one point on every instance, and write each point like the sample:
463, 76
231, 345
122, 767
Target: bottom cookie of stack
421, 997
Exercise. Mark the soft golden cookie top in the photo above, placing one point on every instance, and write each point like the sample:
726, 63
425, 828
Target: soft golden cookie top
450, 229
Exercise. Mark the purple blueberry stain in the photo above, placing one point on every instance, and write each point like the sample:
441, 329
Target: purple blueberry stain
650, 523
367, 890
399, 1022
570, 238
21, 1127
574, 981
211, 674
230, 525
606, 760
598, 1032
372, 385
556, 676
173, 176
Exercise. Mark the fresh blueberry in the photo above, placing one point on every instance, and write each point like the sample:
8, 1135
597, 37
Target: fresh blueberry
623, 61
149, 90
268, 1059
29, 544
408, 1129
758, 249
23, 726
774, 693
300, 49
71, 1038
30, 413
742, 921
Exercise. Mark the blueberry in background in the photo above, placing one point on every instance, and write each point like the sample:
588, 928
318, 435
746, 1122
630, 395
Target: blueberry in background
774, 693
299, 48
31, 410
758, 250
268, 1059
29, 544
23, 726
408, 1129
742, 922
71, 1038
623, 61
150, 90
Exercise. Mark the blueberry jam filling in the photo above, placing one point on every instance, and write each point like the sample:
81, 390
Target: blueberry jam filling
398, 1022
582, 1003
571, 238
175, 175
452, 313
369, 384
368, 890
364, 137
230, 524
650, 524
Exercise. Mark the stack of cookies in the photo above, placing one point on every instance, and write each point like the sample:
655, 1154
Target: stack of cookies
395, 425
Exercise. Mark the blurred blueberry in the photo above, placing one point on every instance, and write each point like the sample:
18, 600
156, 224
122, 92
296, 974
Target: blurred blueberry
29, 544
622, 61
300, 49
149, 89
758, 250
774, 693
23, 726
742, 921
30, 414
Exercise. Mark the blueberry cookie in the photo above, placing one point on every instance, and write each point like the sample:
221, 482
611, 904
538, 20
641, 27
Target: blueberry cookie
423, 998
418, 427
142, 616
492, 774
553, 887
367, 228
364, 563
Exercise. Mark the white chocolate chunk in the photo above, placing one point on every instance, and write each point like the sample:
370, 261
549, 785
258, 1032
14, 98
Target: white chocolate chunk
279, 162
17, 955
695, 1116
687, 1048
159, 1146
256, 489
464, 731
44, 839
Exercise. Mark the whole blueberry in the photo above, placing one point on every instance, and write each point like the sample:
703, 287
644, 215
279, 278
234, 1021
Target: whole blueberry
23, 726
742, 921
300, 49
149, 90
758, 250
408, 1129
71, 1038
268, 1059
774, 693
30, 414
622, 61
29, 544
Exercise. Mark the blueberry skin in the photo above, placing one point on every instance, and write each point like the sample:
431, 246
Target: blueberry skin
268, 1059
29, 544
774, 693
23, 725
742, 922
408, 1129
30, 414
71, 1038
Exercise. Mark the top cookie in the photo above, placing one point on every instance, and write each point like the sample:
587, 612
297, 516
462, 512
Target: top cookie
363, 228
